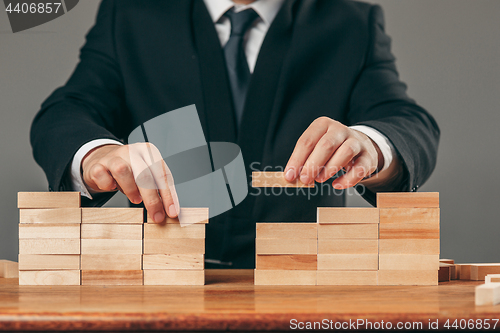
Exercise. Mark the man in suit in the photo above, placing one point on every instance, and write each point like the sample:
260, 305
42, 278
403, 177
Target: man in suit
309, 85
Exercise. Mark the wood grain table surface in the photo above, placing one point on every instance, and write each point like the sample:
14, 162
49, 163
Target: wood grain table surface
230, 301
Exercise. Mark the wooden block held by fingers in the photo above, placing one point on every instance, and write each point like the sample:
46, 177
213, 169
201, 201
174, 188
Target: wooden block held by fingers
108, 262
167, 231
331, 215
409, 215
488, 294
304, 262
111, 246
49, 231
173, 261
274, 179
175, 246
348, 262
347, 246
9, 269
408, 278
49, 262
286, 246
479, 271
186, 216
429, 230
409, 262
444, 273
49, 246
408, 200
49, 278
495, 278
287, 230
112, 278
113, 215
347, 278
112, 231
174, 277
409, 246
447, 261
348, 231
52, 216
284, 278
48, 200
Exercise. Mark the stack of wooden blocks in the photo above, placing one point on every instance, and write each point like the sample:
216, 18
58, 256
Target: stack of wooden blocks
111, 246
176, 253
49, 238
63, 244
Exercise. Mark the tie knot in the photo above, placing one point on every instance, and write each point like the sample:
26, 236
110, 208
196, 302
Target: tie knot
241, 21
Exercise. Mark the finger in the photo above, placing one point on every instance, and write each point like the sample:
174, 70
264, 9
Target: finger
102, 178
122, 173
362, 167
165, 183
341, 158
305, 145
149, 193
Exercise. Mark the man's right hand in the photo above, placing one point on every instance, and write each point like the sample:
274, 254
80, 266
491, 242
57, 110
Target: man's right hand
132, 170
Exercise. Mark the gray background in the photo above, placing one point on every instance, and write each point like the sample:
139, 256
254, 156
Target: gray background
448, 53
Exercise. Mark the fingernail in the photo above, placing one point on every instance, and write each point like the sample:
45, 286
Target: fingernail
304, 179
137, 200
159, 217
290, 175
172, 211
337, 186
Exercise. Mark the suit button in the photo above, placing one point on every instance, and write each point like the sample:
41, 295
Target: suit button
50, 188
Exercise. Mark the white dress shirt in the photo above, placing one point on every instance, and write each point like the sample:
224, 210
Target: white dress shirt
267, 10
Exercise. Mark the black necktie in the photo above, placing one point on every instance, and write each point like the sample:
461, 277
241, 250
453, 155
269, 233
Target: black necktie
236, 61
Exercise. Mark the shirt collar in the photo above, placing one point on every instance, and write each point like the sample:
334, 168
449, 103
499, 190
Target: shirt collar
267, 9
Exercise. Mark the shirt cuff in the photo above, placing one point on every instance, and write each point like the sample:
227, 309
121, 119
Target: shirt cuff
386, 148
76, 165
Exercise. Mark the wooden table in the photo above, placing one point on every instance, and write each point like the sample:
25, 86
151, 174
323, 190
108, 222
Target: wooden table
230, 301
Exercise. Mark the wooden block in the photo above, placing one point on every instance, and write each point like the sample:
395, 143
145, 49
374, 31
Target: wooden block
329, 215
409, 246
115, 262
463, 270
49, 231
166, 231
53, 216
428, 230
408, 278
447, 261
111, 246
287, 230
112, 231
174, 277
488, 294
409, 262
348, 231
9, 269
284, 278
187, 216
408, 200
274, 179
174, 246
304, 262
444, 273
495, 278
113, 215
347, 278
347, 246
479, 271
348, 262
49, 262
49, 246
112, 278
173, 261
48, 200
49, 278
286, 246
409, 215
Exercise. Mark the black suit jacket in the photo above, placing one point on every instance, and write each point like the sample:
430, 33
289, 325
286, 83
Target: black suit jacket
319, 58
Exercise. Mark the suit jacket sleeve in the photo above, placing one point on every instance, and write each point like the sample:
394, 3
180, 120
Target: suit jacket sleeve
90, 106
379, 100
